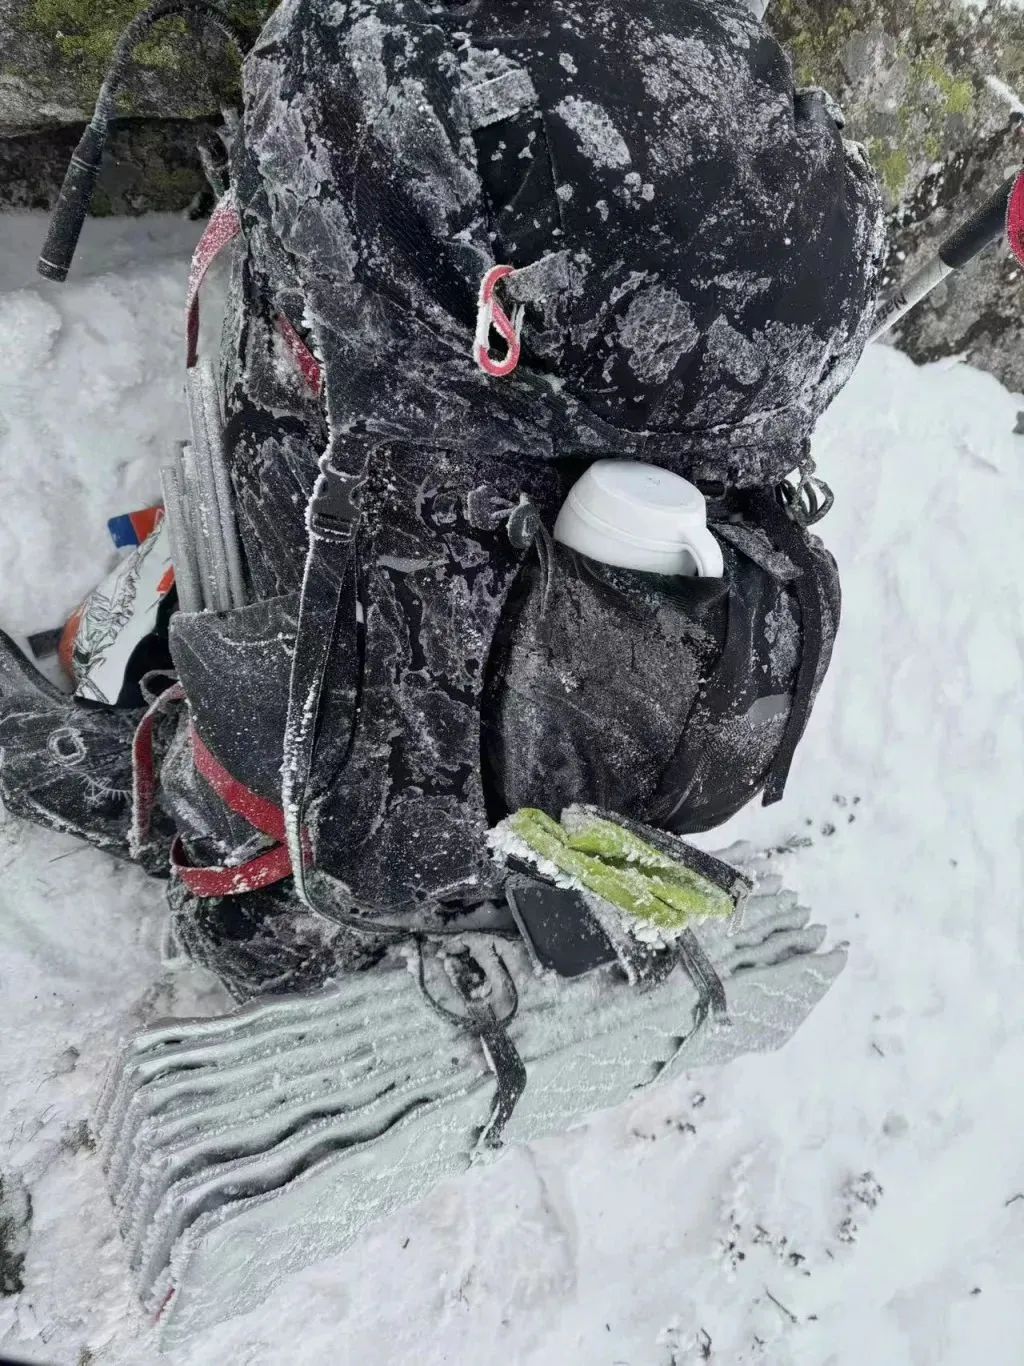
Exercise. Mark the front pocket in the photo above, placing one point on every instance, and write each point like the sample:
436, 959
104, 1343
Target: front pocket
235, 668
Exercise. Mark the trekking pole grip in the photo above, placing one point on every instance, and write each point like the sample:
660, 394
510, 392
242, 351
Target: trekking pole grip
983, 227
72, 205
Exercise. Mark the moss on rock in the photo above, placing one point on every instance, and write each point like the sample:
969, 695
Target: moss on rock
907, 74
912, 77
59, 50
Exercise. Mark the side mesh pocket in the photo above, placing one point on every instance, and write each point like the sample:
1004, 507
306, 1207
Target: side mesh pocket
733, 739
592, 683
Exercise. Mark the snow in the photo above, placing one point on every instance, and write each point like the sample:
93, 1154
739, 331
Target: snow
849, 1200
1003, 92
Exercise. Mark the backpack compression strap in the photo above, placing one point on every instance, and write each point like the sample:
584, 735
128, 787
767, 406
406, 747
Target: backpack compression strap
791, 539
328, 589
224, 227
270, 867
263, 871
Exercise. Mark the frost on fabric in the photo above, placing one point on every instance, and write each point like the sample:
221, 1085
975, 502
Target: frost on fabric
427, 147
783, 634
598, 137
499, 98
499, 141
735, 353
365, 46
657, 330
411, 127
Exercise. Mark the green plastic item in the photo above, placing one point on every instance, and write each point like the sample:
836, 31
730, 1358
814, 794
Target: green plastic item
620, 867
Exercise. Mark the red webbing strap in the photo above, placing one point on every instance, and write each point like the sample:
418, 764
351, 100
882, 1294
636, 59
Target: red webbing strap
222, 229
302, 355
261, 814
144, 783
224, 226
232, 880
222, 880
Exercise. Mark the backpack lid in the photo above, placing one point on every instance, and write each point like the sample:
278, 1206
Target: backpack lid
717, 245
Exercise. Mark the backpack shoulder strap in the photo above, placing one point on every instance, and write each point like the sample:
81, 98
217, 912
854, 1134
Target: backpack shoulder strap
328, 590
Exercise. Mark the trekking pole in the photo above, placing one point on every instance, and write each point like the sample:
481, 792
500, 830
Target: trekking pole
1003, 212
80, 182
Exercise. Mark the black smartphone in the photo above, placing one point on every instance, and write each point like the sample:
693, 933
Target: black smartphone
560, 931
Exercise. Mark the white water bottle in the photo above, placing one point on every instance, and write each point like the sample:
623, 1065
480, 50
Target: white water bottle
637, 516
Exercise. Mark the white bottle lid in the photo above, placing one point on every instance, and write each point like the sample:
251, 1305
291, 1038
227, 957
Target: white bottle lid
640, 502
639, 516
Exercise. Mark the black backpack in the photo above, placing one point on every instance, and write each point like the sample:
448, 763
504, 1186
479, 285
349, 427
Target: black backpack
410, 656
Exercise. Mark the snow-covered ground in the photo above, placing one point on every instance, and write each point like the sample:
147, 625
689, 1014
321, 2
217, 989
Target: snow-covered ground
858, 1198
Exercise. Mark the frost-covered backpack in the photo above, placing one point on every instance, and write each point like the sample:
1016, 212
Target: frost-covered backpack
386, 653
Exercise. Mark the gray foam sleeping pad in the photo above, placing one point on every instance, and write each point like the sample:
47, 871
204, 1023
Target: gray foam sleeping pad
240, 1149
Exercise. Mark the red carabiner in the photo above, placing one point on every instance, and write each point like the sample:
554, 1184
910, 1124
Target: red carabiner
491, 314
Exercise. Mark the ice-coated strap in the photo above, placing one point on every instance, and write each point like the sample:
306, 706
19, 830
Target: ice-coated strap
701, 971
273, 865
328, 587
500, 1052
144, 780
224, 226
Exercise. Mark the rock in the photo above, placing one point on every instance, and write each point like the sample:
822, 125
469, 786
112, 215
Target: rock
55, 54
927, 88
54, 57
15, 1220
150, 165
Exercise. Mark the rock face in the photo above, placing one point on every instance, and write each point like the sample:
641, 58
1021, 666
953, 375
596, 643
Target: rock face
926, 85
54, 53
150, 164
53, 57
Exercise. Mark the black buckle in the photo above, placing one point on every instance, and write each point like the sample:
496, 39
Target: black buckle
336, 505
